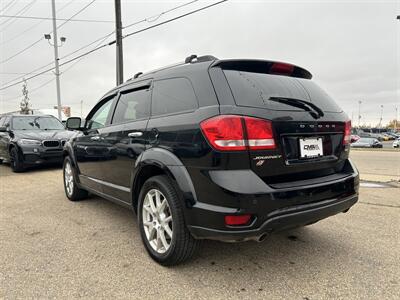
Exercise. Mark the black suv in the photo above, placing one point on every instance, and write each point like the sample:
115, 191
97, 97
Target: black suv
28, 140
230, 150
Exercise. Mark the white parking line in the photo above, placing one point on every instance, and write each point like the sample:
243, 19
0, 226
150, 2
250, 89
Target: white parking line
372, 185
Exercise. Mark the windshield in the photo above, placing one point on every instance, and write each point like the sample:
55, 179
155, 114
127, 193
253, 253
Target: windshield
255, 90
36, 123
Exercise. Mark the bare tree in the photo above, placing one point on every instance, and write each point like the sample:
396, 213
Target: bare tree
25, 105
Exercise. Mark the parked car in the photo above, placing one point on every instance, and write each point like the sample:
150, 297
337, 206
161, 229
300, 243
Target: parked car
396, 143
229, 150
386, 137
27, 140
367, 143
393, 135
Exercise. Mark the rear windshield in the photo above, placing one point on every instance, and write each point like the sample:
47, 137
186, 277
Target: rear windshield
255, 89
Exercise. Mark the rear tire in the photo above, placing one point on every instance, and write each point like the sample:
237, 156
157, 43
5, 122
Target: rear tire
16, 162
161, 223
72, 191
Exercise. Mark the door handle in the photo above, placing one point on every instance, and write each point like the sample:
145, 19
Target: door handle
95, 138
135, 134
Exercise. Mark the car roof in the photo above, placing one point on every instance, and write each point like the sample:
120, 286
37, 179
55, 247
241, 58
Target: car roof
195, 63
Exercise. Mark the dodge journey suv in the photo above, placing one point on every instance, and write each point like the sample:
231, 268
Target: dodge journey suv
231, 150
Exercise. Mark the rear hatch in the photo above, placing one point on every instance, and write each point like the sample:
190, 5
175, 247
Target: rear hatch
308, 126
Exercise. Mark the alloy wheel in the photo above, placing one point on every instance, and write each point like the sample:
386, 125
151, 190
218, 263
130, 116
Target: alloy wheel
157, 221
68, 178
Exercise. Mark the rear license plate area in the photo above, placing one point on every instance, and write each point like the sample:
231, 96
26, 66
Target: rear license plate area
311, 147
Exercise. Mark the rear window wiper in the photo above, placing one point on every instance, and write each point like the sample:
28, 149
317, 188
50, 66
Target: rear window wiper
314, 110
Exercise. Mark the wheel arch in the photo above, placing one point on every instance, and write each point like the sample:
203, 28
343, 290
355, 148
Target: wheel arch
157, 161
68, 151
13, 145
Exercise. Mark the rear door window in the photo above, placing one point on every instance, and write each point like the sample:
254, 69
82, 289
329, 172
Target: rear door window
173, 96
254, 90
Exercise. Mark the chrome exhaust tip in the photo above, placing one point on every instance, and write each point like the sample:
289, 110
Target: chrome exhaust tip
262, 237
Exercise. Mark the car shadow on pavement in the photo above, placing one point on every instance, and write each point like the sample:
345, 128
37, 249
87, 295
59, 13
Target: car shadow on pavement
280, 253
32, 169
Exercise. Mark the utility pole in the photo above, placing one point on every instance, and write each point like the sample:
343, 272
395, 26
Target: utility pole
81, 107
359, 113
118, 39
57, 73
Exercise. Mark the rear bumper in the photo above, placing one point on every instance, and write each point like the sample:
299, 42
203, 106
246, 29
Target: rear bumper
282, 219
272, 209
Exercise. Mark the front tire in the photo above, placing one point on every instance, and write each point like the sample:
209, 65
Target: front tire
72, 191
161, 223
16, 162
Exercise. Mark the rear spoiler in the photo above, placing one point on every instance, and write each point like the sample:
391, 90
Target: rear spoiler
262, 66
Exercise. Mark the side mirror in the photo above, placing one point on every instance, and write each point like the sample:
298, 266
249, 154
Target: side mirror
73, 123
3, 129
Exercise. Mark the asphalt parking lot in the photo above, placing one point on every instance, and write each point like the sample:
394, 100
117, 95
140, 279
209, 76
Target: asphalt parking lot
53, 248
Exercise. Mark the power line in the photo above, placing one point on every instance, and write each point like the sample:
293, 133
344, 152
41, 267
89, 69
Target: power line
12, 73
39, 40
109, 34
31, 91
21, 51
52, 79
76, 62
9, 5
174, 19
16, 14
23, 10
113, 42
77, 13
157, 16
35, 25
34, 72
58, 19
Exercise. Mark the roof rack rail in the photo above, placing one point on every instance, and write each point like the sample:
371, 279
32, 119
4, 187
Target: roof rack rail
190, 59
194, 58
137, 75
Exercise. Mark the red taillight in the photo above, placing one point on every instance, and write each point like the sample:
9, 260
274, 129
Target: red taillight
236, 133
237, 220
224, 132
347, 133
259, 134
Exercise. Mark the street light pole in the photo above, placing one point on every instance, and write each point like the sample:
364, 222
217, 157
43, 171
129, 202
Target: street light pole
380, 120
57, 71
359, 113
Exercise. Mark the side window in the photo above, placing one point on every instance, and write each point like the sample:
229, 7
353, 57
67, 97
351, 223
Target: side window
132, 105
98, 120
172, 96
6, 122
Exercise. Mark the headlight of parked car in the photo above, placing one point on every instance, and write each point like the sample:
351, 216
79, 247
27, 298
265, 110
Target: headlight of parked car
29, 142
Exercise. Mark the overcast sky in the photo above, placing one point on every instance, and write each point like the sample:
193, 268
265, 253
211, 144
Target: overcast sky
352, 48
